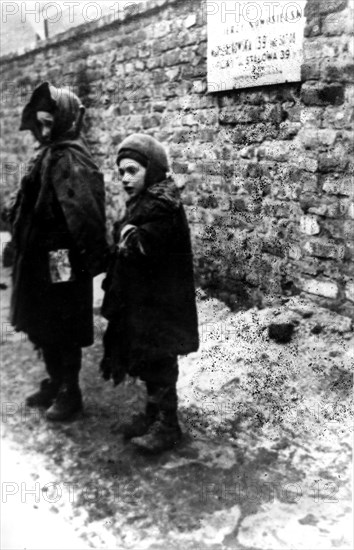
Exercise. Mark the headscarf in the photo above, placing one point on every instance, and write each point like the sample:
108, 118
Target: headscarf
62, 103
149, 152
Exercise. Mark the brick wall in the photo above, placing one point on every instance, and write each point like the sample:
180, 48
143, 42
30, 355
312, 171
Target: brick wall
267, 172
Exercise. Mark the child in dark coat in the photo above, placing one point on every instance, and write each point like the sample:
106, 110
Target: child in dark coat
150, 296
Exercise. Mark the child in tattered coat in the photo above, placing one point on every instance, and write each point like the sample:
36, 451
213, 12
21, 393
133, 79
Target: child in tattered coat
59, 240
150, 295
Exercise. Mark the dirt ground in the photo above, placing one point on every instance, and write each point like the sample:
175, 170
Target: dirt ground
265, 460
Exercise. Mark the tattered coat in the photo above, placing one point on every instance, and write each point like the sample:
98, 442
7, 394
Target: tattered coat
150, 294
60, 206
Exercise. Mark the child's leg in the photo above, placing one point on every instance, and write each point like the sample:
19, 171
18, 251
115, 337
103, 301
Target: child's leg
164, 433
160, 378
141, 422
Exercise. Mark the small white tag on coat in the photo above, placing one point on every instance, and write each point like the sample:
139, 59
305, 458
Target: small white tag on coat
59, 266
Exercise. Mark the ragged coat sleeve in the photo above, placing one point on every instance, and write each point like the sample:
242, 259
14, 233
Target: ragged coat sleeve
80, 190
151, 236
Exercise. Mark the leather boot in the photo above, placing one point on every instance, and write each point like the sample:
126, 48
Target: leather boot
49, 387
69, 399
165, 432
44, 397
67, 403
140, 423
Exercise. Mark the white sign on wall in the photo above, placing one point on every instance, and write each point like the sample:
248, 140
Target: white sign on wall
254, 43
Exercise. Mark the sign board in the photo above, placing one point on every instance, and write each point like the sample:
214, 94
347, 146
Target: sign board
254, 43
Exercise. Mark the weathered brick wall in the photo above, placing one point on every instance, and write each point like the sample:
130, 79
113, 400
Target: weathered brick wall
266, 171
322, 251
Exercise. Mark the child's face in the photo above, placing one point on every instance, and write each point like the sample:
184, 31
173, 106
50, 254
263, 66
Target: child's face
133, 176
45, 123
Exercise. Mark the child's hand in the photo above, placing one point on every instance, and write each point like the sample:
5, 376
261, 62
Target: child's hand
129, 242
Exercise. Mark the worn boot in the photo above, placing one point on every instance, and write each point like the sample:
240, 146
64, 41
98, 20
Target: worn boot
69, 399
46, 394
162, 435
67, 403
49, 387
140, 423
165, 432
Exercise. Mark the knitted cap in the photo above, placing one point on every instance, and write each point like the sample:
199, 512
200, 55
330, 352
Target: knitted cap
148, 147
132, 154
